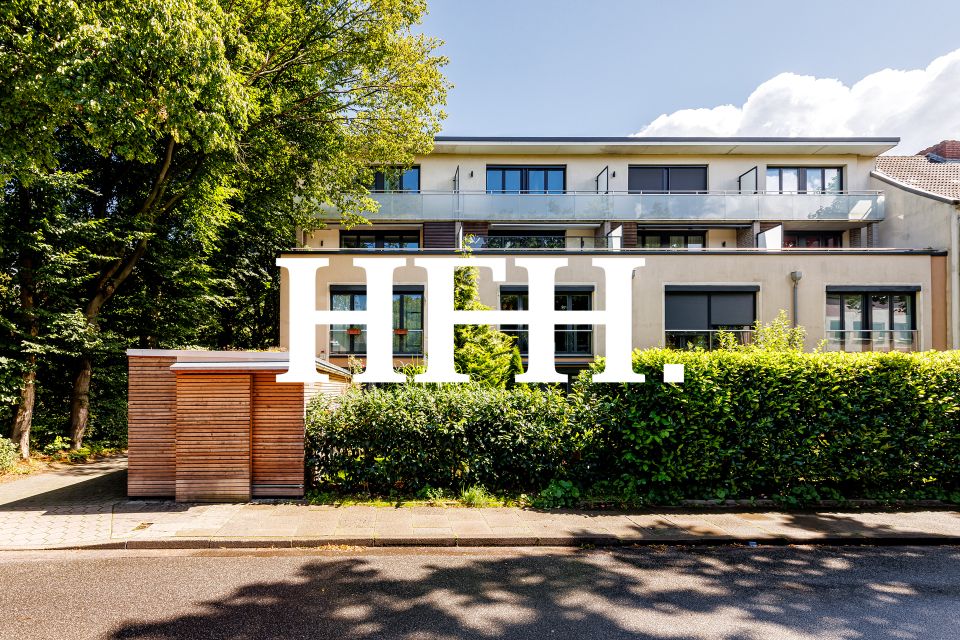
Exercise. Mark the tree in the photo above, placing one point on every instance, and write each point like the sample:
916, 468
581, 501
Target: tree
486, 354
170, 119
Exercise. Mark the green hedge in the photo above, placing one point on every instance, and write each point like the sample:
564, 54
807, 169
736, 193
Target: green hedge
801, 426
744, 424
402, 438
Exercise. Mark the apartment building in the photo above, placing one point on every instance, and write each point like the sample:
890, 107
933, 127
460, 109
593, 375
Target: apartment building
732, 231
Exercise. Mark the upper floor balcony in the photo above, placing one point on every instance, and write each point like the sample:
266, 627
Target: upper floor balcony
713, 206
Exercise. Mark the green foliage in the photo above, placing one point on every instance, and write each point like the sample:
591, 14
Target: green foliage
779, 335
476, 496
156, 155
402, 438
559, 493
485, 353
9, 455
748, 423
756, 423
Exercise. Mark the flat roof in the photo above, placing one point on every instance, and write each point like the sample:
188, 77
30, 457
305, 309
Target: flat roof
639, 145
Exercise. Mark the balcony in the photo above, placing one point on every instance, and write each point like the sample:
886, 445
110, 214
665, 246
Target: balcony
873, 340
712, 206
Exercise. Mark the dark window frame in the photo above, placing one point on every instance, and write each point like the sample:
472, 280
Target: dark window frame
665, 237
821, 235
691, 336
802, 178
866, 306
380, 183
525, 170
355, 290
518, 330
378, 238
666, 177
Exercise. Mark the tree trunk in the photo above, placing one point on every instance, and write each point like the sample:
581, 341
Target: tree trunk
24, 418
80, 403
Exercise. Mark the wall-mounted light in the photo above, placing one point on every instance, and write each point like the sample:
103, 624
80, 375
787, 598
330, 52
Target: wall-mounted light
471, 174
613, 175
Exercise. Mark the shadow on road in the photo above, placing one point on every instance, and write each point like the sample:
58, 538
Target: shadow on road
733, 593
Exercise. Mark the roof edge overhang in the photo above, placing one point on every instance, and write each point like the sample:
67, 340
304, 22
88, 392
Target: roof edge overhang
646, 145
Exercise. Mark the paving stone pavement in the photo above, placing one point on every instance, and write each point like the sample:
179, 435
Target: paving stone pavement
86, 506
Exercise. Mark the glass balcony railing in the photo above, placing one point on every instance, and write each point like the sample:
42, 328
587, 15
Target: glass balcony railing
705, 339
877, 340
544, 242
719, 206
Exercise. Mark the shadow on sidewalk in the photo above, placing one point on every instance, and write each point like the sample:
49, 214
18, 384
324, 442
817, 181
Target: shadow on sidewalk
652, 594
105, 488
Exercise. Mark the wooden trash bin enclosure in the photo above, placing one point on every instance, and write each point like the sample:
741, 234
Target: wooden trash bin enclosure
213, 426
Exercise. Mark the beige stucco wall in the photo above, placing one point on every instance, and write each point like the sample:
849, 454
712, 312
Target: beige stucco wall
437, 170
771, 271
920, 222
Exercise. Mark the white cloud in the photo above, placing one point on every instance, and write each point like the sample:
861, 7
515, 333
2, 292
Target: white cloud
921, 106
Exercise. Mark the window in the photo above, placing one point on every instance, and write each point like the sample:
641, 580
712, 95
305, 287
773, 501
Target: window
812, 239
407, 320
659, 179
569, 339
695, 314
871, 320
804, 179
519, 179
672, 239
379, 239
396, 179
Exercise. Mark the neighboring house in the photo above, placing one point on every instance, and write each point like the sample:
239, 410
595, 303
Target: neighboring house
733, 230
923, 210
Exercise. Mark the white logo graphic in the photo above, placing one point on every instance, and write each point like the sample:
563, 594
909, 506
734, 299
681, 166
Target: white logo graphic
541, 317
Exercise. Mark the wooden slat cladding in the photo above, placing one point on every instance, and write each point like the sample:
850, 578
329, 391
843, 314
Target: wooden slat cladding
439, 235
278, 432
629, 235
151, 427
213, 437
476, 229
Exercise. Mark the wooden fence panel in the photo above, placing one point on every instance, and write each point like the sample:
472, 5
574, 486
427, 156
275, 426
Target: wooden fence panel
213, 437
151, 427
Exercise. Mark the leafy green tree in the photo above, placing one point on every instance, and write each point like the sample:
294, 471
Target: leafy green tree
166, 122
486, 354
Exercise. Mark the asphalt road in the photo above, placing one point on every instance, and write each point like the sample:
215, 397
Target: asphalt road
733, 593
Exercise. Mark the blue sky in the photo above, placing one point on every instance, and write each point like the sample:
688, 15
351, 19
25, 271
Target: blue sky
611, 67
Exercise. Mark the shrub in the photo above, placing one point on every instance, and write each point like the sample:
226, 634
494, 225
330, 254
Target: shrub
476, 496
9, 455
799, 426
406, 437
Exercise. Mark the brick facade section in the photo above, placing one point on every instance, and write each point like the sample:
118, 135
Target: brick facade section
946, 149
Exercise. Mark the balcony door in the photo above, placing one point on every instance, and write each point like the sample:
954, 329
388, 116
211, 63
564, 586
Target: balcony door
694, 315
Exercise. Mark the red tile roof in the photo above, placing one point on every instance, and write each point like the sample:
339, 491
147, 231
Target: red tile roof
939, 178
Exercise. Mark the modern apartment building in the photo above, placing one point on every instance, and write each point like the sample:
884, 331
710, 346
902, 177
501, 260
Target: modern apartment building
733, 230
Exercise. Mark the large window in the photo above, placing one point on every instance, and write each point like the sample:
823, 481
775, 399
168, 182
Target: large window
804, 179
695, 315
812, 239
396, 179
871, 320
522, 179
407, 320
663, 179
569, 339
672, 239
379, 239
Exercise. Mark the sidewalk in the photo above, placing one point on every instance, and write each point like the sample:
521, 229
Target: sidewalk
85, 506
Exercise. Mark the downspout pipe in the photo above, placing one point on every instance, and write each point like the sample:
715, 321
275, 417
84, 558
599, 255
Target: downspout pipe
796, 276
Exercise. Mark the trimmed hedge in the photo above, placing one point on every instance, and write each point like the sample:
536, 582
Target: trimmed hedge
744, 424
800, 426
407, 437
